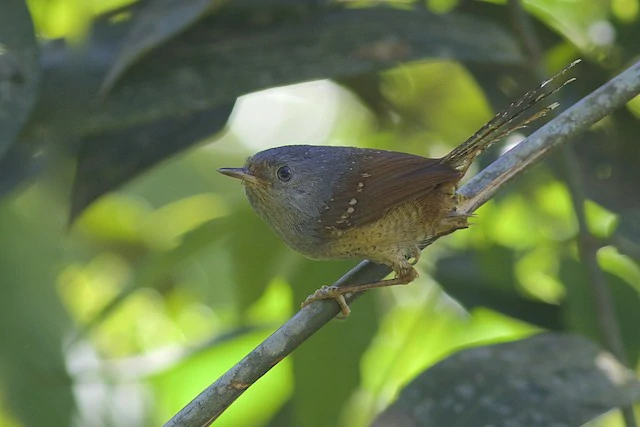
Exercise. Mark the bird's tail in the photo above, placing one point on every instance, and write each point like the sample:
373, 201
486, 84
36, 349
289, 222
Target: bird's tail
505, 122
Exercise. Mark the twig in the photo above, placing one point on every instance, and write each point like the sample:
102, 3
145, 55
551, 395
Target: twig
207, 406
587, 245
523, 26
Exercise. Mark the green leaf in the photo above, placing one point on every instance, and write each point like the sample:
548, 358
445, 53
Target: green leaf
627, 235
19, 70
548, 379
574, 20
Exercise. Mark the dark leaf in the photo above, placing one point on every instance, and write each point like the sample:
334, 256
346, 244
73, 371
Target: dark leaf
18, 164
19, 70
549, 379
627, 235
231, 53
367, 87
226, 55
107, 161
608, 162
498, 14
157, 22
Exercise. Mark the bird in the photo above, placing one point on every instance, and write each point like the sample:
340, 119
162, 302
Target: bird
331, 202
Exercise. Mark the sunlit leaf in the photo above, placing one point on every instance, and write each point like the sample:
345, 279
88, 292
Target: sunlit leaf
164, 228
275, 305
156, 265
117, 218
614, 262
536, 273
625, 10
412, 89
510, 227
584, 22
602, 222
554, 200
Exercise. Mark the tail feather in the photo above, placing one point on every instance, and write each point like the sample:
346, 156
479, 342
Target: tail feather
505, 123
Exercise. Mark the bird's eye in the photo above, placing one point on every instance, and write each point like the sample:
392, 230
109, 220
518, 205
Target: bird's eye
284, 173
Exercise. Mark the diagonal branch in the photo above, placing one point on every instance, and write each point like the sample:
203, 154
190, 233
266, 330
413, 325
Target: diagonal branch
208, 406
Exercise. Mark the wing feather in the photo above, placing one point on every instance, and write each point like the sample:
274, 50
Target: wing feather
380, 180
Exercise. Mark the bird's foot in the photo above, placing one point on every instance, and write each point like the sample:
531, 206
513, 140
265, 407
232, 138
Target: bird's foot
330, 292
454, 221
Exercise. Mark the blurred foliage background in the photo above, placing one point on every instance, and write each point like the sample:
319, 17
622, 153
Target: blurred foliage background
163, 278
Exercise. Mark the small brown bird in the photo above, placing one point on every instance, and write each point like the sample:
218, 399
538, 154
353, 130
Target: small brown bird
346, 202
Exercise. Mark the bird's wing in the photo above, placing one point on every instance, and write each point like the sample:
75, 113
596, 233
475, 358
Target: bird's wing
379, 181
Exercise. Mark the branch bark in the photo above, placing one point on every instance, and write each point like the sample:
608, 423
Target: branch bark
208, 406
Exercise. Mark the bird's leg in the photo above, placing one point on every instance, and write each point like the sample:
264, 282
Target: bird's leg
405, 273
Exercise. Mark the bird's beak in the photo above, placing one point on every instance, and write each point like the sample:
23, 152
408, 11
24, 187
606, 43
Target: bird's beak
238, 173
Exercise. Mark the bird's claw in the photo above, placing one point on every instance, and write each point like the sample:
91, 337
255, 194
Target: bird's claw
329, 292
